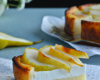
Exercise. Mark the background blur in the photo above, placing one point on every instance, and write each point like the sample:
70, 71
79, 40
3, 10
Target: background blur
57, 3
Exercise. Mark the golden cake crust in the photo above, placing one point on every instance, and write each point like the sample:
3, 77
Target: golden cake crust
69, 24
69, 21
92, 32
21, 71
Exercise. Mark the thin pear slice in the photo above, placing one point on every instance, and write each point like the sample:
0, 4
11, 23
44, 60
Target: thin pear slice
44, 57
65, 57
85, 8
7, 40
97, 18
30, 57
95, 7
94, 12
72, 52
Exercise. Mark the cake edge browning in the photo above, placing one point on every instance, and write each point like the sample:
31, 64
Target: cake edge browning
69, 25
69, 22
22, 71
90, 31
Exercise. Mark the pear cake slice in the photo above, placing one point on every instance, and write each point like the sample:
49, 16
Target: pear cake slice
7, 40
30, 57
95, 7
29, 66
26, 72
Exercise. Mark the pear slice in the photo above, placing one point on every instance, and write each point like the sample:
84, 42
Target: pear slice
95, 7
85, 8
65, 57
30, 57
7, 40
72, 52
97, 18
44, 57
94, 12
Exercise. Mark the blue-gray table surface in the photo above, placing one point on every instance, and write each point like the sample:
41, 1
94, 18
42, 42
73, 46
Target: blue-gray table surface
27, 24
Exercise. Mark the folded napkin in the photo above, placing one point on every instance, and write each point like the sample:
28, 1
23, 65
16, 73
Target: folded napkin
6, 71
50, 21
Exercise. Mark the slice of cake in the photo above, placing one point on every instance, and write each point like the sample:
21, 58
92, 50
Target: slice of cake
48, 66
